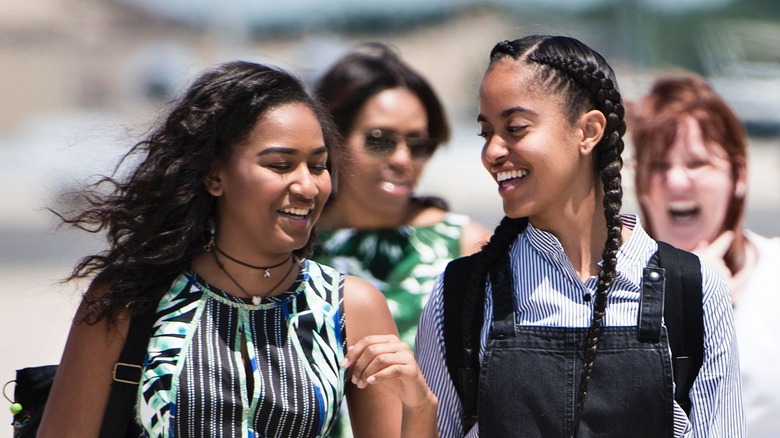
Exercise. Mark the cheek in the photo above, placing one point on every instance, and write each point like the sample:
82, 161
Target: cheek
325, 186
417, 169
653, 199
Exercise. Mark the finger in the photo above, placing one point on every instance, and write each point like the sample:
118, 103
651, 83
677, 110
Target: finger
356, 350
718, 247
390, 371
376, 357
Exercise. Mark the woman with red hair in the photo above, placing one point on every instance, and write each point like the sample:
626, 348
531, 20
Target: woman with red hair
691, 182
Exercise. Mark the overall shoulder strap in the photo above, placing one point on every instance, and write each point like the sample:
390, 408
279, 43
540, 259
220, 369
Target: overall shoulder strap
683, 316
463, 368
117, 419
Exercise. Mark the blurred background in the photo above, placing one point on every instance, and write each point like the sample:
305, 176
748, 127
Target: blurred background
80, 80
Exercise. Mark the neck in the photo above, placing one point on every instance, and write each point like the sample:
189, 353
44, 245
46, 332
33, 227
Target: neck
582, 233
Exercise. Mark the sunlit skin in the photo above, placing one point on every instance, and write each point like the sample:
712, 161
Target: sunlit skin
526, 134
689, 190
272, 189
542, 163
375, 190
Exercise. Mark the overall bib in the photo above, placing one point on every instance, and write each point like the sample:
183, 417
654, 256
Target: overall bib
530, 376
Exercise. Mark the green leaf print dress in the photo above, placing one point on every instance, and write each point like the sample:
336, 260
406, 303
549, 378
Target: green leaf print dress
402, 262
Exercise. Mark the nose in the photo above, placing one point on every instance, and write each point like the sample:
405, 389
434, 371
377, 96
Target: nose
495, 150
401, 155
677, 178
304, 185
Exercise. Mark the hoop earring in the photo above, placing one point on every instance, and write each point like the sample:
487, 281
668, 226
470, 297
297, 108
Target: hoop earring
212, 233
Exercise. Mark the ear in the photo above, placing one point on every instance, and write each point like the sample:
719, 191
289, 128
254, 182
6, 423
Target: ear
213, 182
740, 184
590, 129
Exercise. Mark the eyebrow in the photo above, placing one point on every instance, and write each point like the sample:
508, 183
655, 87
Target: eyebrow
508, 112
290, 151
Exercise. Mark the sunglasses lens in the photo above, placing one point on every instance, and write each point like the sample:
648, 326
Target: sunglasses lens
383, 143
421, 147
380, 142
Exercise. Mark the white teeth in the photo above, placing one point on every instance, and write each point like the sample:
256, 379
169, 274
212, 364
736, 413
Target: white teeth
683, 211
509, 174
682, 205
296, 211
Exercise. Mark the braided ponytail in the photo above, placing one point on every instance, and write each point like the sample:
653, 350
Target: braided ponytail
499, 243
586, 81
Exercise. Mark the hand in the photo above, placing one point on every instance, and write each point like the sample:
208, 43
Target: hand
385, 360
712, 254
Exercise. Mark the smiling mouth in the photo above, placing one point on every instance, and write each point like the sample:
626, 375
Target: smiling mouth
391, 185
505, 176
298, 213
683, 212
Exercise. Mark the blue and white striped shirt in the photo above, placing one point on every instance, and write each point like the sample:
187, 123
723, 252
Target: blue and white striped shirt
548, 292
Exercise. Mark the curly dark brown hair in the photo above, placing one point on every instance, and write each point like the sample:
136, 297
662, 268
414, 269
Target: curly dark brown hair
155, 219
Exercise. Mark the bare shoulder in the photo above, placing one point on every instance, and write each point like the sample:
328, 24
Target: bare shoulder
365, 310
360, 293
473, 238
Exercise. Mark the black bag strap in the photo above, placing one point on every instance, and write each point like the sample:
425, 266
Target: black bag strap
117, 420
683, 315
462, 361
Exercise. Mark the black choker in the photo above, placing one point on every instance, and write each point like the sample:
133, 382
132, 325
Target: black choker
266, 274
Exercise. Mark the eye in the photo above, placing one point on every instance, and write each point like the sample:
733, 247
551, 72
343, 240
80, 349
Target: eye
485, 134
280, 166
658, 166
516, 128
318, 168
697, 164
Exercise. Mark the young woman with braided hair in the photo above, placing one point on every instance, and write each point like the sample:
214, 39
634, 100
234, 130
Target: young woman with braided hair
570, 341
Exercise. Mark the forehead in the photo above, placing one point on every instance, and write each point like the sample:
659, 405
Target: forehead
291, 124
393, 106
510, 83
685, 136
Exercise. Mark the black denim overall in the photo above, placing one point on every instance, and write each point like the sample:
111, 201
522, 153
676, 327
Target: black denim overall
530, 376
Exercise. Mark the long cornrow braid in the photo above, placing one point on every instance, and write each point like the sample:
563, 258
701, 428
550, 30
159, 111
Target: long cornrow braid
504, 235
586, 81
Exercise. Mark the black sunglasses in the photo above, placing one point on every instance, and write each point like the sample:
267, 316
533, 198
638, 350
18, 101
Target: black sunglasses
383, 142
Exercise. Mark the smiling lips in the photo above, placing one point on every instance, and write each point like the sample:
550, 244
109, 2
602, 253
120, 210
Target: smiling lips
297, 212
683, 211
509, 174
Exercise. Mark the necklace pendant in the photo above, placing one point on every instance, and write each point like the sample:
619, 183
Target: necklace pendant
256, 300
267, 274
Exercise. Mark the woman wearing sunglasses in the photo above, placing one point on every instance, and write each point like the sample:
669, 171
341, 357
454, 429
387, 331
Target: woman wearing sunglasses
375, 227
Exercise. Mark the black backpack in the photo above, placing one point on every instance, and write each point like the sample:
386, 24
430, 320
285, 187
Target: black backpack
682, 315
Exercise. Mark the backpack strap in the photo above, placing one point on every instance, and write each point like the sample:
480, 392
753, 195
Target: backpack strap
462, 360
683, 315
117, 419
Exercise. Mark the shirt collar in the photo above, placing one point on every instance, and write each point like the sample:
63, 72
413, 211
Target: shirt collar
637, 249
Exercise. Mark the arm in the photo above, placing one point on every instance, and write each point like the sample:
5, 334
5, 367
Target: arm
387, 394
474, 237
82, 385
716, 396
